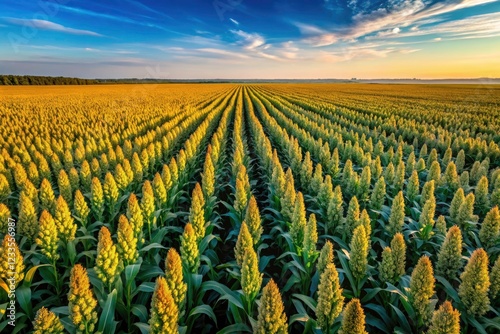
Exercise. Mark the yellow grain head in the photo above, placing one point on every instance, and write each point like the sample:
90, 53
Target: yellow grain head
473, 289
82, 303
126, 241
174, 276
46, 322
48, 239
330, 299
164, 310
353, 321
272, 318
11, 266
190, 254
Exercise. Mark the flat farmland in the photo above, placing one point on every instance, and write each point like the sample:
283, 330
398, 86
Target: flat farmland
250, 208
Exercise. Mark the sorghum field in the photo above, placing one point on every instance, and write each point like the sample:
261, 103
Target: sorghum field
274, 208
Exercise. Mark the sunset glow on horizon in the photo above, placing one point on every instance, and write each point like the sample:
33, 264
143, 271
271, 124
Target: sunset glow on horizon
237, 39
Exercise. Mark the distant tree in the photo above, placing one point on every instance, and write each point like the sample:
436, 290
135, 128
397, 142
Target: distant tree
43, 80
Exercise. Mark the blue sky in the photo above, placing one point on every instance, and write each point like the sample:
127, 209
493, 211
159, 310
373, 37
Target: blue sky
251, 39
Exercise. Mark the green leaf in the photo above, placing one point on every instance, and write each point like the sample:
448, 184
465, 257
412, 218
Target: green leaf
28, 277
477, 325
143, 327
23, 295
224, 291
495, 323
377, 323
236, 328
264, 261
140, 312
294, 279
148, 272
346, 269
299, 318
147, 287
154, 245
450, 291
403, 322
68, 325
381, 313
106, 320
307, 300
71, 252
64, 310
19, 328
131, 272
203, 309
370, 294
391, 288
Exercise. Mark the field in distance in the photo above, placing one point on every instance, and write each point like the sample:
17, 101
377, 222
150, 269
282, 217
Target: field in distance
250, 208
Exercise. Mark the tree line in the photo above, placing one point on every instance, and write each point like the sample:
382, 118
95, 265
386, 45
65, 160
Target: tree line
14, 80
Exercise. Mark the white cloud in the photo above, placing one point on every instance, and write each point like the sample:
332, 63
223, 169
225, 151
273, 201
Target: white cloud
200, 40
234, 21
289, 50
316, 36
322, 40
408, 51
352, 53
309, 29
224, 53
382, 18
250, 41
484, 25
268, 56
387, 21
146, 8
437, 39
407, 12
47, 25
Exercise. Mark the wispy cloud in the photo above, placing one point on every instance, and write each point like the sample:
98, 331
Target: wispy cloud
234, 21
389, 20
197, 41
80, 49
250, 41
142, 6
405, 13
96, 14
255, 45
289, 50
117, 18
484, 25
357, 53
315, 35
47, 25
224, 53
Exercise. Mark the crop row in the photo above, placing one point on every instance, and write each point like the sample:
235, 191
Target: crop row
254, 208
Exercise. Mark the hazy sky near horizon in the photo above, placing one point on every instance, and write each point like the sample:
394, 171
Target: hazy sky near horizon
251, 38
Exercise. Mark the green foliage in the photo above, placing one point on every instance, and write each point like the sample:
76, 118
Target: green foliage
228, 176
